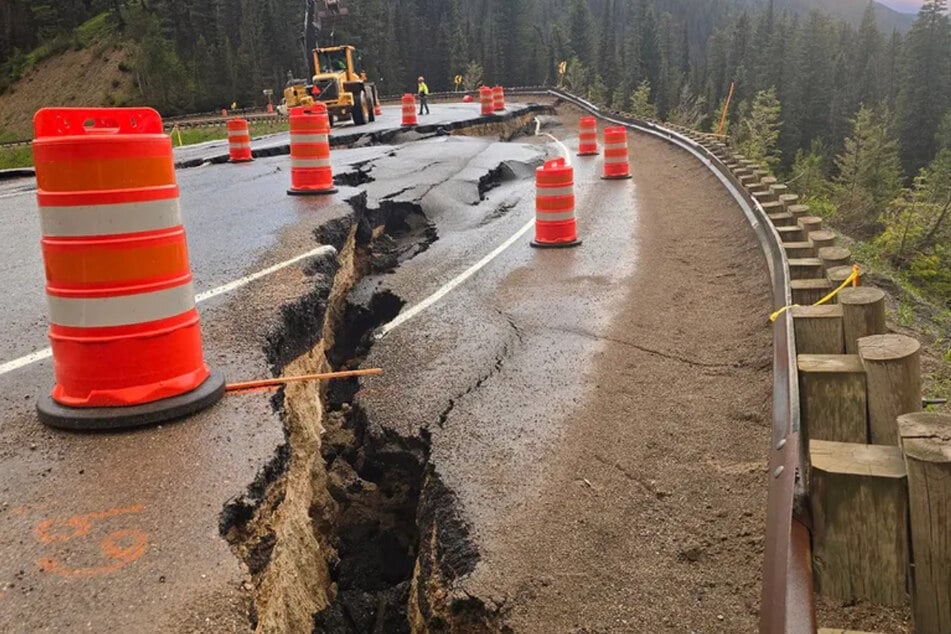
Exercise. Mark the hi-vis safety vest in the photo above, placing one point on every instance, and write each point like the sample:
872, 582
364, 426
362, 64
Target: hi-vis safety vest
423, 89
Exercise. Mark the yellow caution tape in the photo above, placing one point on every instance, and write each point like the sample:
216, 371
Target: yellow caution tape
852, 279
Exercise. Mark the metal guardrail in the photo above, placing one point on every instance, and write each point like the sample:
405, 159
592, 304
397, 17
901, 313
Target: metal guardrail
787, 603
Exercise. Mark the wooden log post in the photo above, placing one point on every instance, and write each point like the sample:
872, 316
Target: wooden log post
832, 397
800, 250
834, 256
789, 233
822, 238
782, 219
773, 207
838, 274
779, 190
747, 179
863, 314
893, 374
819, 329
790, 200
810, 224
764, 173
799, 211
926, 444
860, 534
808, 292
763, 194
805, 268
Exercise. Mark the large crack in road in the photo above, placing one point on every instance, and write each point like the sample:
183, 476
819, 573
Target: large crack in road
348, 528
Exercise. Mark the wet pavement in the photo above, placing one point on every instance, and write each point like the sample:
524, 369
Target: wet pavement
120, 531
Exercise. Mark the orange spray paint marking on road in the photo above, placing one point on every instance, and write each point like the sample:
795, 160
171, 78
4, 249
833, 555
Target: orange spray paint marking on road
122, 546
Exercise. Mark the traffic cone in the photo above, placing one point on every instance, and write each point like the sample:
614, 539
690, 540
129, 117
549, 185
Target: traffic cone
239, 141
487, 100
588, 143
377, 108
498, 99
311, 173
409, 111
124, 331
555, 225
616, 165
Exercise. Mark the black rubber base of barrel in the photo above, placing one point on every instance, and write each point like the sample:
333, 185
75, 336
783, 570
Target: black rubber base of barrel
105, 418
617, 178
312, 192
240, 160
555, 245
588, 153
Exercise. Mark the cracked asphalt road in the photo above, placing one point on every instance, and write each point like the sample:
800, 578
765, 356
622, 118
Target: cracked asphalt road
599, 413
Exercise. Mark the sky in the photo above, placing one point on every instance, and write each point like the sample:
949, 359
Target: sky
905, 6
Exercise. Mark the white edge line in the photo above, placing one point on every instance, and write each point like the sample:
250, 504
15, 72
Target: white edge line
46, 353
447, 288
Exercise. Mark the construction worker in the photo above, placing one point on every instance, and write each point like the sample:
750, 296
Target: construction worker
423, 91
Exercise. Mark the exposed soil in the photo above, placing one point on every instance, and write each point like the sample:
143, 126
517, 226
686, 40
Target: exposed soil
89, 77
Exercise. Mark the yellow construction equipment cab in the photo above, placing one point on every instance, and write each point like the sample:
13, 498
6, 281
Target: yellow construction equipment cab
336, 79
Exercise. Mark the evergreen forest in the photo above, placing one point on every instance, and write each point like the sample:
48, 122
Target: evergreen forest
857, 117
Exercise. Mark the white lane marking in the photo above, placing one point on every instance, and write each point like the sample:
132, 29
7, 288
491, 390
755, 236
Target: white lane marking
46, 353
15, 194
564, 149
447, 288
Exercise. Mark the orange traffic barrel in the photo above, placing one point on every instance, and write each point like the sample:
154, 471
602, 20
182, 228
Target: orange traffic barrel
588, 144
615, 154
377, 108
409, 110
239, 141
125, 334
311, 173
487, 100
555, 225
498, 98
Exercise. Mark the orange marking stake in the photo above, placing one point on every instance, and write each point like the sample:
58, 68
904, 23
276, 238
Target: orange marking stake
125, 334
326, 376
555, 225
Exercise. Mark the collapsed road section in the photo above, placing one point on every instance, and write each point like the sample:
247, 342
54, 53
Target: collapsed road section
570, 440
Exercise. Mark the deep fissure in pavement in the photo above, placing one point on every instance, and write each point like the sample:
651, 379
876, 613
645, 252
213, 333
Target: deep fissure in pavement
364, 493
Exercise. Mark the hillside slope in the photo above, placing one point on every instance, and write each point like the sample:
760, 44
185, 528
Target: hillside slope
88, 77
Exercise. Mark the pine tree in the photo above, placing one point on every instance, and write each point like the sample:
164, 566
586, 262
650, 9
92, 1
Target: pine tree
869, 173
925, 85
757, 135
641, 106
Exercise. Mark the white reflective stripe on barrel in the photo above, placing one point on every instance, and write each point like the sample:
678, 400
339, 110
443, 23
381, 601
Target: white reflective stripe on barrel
304, 163
297, 137
123, 310
615, 159
239, 146
554, 216
107, 220
244, 132
554, 191
615, 146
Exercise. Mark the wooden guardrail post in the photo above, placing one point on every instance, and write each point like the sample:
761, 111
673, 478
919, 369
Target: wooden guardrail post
893, 372
863, 314
859, 508
832, 397
818, 329
926, 444
822, 238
